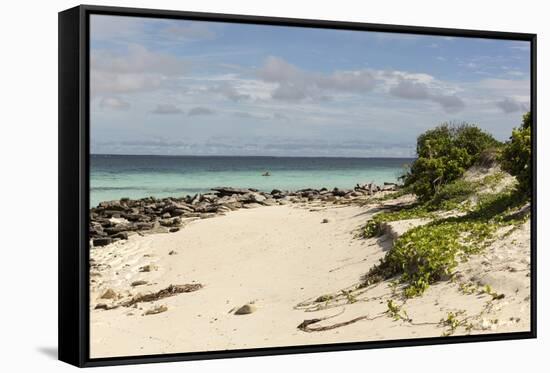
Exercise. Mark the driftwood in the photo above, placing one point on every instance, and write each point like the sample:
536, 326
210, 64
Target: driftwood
164, 293
305, 325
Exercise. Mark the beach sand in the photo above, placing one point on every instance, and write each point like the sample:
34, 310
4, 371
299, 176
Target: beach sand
280, 259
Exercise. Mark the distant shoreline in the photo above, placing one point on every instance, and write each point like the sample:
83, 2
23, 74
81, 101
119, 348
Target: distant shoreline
241, 156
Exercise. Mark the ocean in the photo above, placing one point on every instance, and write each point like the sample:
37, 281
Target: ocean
136, 176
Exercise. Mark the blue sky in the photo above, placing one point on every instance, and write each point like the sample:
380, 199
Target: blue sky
202, 88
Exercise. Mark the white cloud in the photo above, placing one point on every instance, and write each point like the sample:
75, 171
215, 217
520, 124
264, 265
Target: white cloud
120, 29
410, 89
134, 69
413, 90
229, 91
167, 109
511, 105
295, 84
114, 103
449, 103
104, 83
104, 27
248, 115
186, 31
280, 116
136, 58
199, 110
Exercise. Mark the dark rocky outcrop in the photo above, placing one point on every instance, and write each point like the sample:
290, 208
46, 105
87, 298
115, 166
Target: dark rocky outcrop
112, 221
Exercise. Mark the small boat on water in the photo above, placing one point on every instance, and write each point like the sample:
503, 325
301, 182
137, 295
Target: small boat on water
266, 173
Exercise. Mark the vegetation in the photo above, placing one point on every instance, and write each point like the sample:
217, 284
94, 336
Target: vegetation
430, 252
453, 196
516, 155
444, 153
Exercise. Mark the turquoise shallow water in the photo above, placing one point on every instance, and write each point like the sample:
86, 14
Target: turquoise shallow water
116, 176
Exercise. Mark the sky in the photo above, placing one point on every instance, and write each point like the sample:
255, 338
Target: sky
177, 87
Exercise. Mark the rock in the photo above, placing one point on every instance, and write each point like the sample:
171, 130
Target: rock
148, 268
207, 215
172, 252
112, 205
97, 232
209, 197
340, 192
206, 207
101, 306
109, 294
246, 309
102, 241
138, 283
228, 191
224, 208
112, 214
170, 222
179, 212
182, 206
324, 221
156, 309
276, 192
253, 198
251, 205
196, 199
173, 229
269, 202
114, 230
136, 217
144, 226
121, 235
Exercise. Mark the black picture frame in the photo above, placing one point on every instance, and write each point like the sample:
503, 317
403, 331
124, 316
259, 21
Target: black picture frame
74, 152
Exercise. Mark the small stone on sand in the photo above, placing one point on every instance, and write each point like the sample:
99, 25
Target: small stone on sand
246, 309
109, 294
148, 268
156, 309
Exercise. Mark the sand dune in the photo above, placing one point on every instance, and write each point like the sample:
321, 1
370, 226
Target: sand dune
279, 260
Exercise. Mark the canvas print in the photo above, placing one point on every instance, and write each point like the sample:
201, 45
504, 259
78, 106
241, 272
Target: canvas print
258, 186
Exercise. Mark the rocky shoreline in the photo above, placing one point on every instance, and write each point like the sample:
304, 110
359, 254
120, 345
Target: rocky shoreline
111, 221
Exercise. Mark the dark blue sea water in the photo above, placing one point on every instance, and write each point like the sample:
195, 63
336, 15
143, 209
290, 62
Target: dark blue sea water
137, 176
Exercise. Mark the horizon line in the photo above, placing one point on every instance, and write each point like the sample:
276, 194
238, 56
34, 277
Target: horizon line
247, 156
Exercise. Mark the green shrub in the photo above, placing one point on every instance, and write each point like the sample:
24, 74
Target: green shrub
373, 226
444, 153
428, 253
516, 155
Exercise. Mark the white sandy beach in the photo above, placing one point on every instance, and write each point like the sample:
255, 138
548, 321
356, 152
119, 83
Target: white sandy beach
278, 257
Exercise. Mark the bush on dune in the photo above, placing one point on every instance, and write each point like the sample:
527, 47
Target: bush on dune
516, 155
444, 154
431, 252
